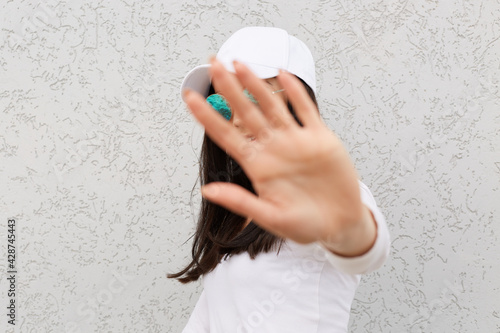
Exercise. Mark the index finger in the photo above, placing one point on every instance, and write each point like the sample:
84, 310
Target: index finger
223, 133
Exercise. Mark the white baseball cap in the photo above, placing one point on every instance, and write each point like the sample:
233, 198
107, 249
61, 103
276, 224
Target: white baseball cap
265, 50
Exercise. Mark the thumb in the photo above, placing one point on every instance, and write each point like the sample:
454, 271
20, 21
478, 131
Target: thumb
211, 190
237, 199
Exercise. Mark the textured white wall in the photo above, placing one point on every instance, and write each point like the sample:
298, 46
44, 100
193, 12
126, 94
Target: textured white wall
99, 156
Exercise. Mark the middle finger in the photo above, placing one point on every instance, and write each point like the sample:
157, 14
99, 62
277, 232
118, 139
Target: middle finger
274, 108
230, 87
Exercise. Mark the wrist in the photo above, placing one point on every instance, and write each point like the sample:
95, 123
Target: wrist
356, 238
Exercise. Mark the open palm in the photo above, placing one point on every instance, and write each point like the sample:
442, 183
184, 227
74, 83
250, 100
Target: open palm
307, 187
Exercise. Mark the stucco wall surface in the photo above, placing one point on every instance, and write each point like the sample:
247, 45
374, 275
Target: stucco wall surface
98, 155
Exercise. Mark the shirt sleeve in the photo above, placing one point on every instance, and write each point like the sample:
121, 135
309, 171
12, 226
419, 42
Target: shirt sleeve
198, 321
379, 252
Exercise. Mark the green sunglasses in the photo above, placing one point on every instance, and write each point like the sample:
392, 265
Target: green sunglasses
219, 103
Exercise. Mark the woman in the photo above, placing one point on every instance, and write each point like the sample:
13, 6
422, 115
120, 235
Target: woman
285, 227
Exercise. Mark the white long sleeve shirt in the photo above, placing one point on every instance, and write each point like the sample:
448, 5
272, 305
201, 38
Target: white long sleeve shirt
301, 288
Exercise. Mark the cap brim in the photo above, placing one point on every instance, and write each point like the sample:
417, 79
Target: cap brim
198, 79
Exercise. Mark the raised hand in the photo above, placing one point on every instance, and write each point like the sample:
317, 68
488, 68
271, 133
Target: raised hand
306, 185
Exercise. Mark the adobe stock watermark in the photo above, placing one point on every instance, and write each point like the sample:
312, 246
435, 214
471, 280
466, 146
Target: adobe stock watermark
235, 4
428, 312
250, 149
87, 310
44, 16
291, 280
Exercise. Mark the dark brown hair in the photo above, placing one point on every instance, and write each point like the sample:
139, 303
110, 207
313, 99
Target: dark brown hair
219, 232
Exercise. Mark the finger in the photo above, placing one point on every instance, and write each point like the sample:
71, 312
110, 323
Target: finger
229, 86
273, 108
225, 135
304, 107
243, 202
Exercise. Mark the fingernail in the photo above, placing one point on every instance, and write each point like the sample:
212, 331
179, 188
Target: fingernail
214, 61
209, 190
186, 92
236, 63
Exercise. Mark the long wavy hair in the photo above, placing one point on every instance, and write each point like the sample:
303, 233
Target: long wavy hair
219, 232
